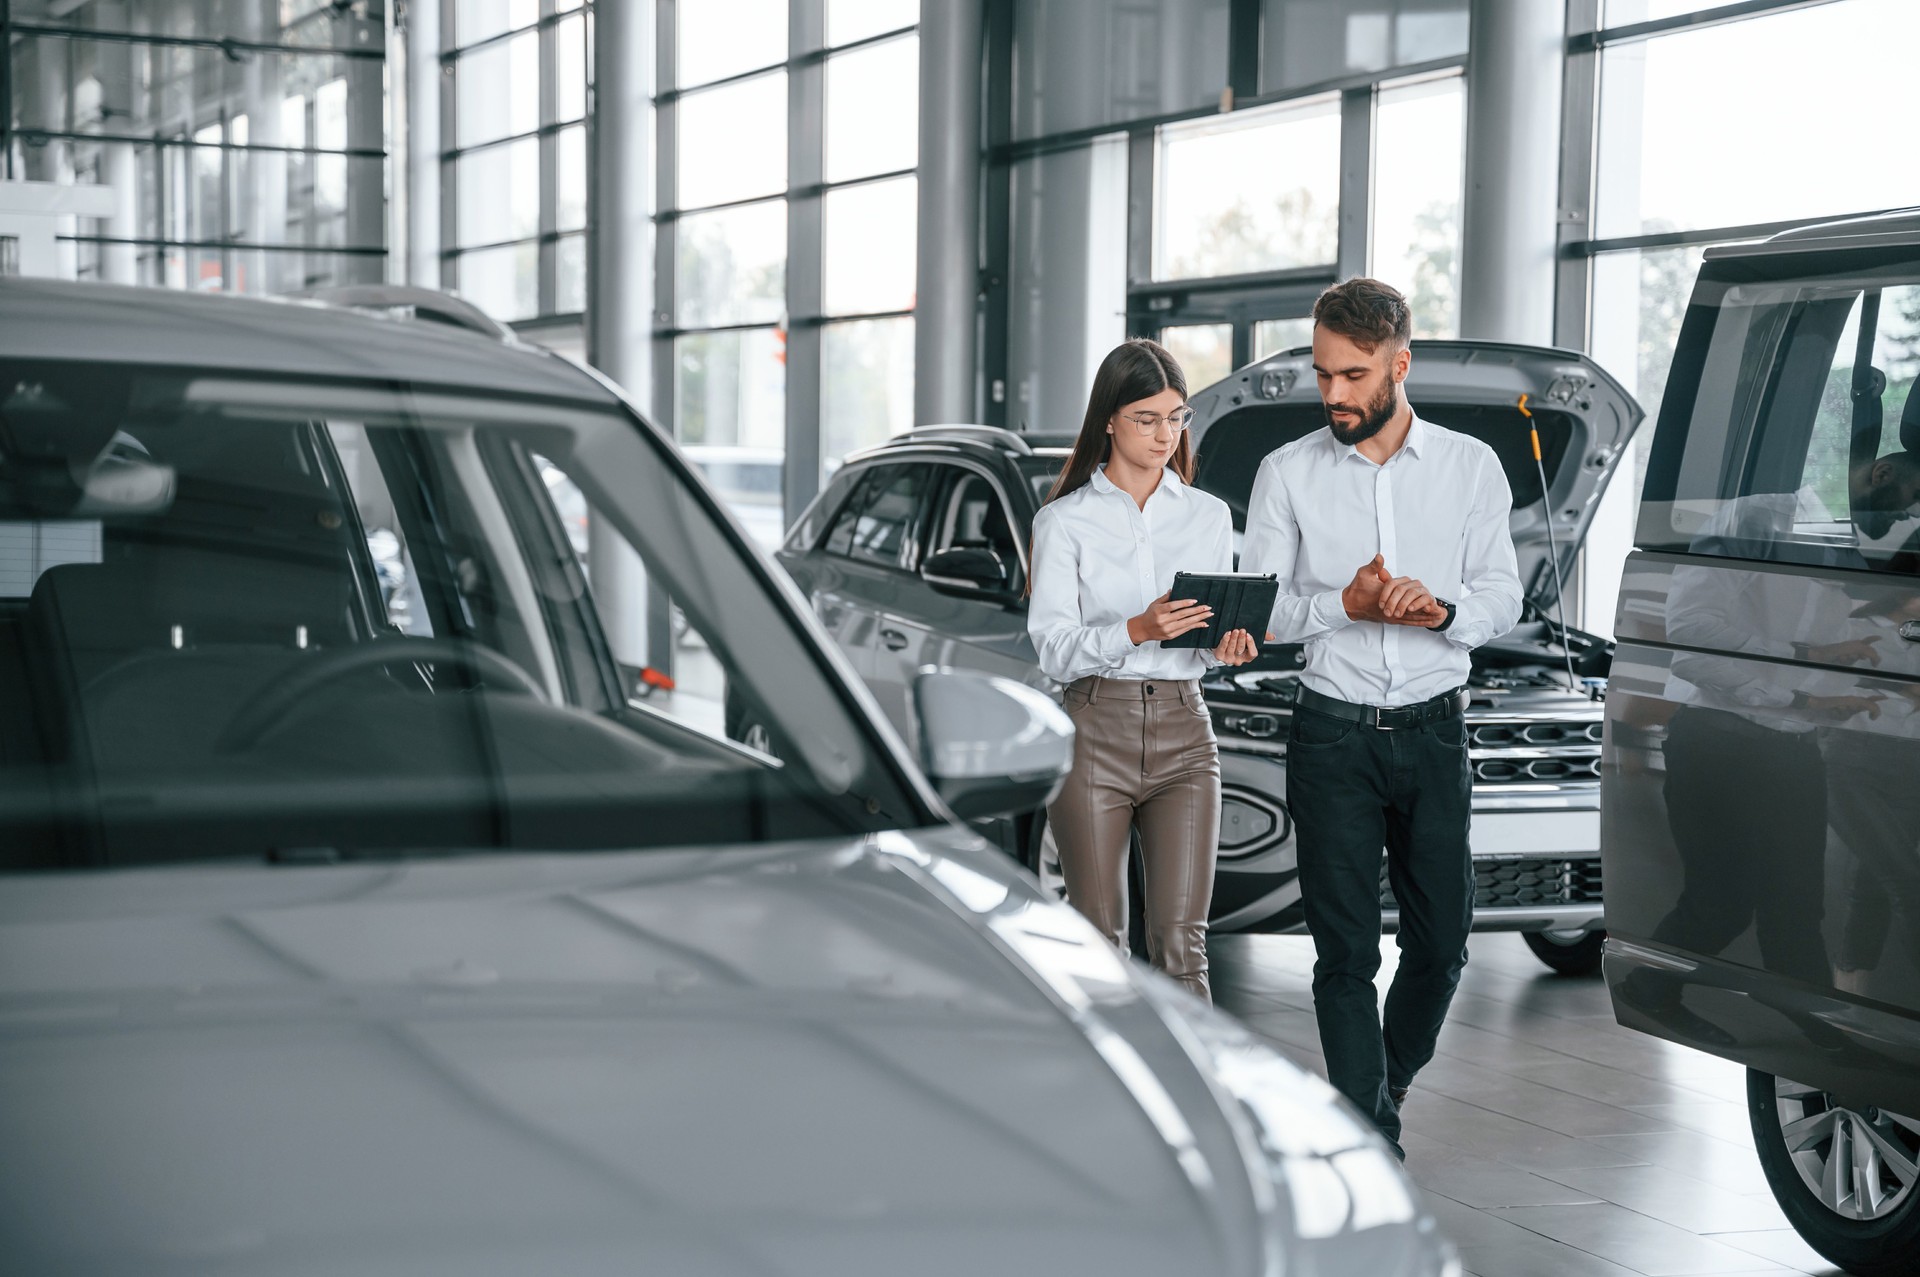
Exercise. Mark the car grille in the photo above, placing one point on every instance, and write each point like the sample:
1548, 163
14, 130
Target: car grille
1535, 753
1523, 882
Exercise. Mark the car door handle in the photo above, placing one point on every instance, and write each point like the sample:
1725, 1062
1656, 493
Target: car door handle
1911, 631
894, 639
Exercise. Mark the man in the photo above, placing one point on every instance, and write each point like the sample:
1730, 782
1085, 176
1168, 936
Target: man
1389, 537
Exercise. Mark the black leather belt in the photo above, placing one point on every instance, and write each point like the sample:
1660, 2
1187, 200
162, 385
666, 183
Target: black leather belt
1395, 718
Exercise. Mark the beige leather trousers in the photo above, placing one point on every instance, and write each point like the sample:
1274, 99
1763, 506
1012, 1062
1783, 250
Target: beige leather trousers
1145, 755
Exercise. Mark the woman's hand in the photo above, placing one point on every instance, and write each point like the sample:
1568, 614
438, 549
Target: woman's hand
1237, 648
1167, 618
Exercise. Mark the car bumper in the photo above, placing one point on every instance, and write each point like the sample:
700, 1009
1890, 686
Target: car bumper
1536, 853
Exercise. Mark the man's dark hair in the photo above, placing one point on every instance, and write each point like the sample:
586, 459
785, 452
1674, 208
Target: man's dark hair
1366, 312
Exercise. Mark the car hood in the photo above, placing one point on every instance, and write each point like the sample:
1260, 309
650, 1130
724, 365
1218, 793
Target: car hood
808, 1059
1585, 418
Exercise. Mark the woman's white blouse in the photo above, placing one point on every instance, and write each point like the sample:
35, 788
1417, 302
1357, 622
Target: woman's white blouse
1099, 559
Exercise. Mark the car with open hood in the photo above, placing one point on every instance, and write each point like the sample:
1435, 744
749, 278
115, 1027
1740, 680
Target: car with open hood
339, 937
915, 556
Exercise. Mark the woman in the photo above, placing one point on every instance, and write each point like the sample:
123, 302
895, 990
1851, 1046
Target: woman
1119, 523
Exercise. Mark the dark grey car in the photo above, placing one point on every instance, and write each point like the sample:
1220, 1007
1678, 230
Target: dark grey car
915, 556
1761, 822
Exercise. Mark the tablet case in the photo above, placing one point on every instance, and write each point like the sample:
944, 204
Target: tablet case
1240, 601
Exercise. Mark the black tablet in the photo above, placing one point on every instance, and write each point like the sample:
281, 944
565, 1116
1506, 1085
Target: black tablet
1240, 601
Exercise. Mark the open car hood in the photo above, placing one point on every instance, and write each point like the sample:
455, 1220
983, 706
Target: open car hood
1585, 418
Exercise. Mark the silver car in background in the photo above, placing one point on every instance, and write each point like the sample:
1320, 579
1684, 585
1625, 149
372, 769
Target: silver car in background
334, 940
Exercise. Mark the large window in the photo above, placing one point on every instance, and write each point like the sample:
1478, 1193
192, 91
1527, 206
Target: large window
1256, 154
515, 167
246, 159
1088, 63
793, 256
1696, 144
1419, 170
1309, 42
1228, 203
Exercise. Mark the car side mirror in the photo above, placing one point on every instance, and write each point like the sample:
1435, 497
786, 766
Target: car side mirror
991, 746
968, 571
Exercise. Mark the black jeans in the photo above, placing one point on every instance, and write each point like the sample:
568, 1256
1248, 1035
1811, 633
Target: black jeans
1352, 790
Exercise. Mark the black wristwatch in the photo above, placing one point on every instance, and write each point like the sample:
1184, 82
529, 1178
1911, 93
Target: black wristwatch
1449, 621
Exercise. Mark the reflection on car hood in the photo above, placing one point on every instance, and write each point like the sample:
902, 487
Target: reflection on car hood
1585, 419
810, 1059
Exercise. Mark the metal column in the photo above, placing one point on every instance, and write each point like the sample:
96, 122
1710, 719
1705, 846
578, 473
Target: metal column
619, 296
947, 307
1514, 70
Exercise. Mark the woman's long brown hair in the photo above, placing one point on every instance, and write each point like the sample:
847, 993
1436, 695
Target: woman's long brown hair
1134, 370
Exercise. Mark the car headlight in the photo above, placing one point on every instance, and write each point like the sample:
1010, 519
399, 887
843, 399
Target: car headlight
1334, 1182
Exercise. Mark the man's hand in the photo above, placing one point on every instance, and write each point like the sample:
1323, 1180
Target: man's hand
1167, 618
1848, 652
1839, 708
1374, 590
1237, 648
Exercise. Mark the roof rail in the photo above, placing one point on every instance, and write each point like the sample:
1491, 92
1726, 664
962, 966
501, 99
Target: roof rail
961, 433
405, 301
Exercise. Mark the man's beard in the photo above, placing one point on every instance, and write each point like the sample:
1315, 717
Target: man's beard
1373, 417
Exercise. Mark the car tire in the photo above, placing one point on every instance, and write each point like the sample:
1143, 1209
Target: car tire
1823, 1201
1042, 858
1572, 953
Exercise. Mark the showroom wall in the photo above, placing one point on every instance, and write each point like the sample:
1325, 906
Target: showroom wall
243, 140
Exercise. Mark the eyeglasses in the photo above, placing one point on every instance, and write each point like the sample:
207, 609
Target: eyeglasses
1148, 423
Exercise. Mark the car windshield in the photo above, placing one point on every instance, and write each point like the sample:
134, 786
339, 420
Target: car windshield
247, 617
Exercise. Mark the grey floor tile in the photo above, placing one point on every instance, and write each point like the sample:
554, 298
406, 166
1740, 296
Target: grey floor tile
1547, 1140
1557, 1109
1719, 1118
1677, 1199
1732, 1167
1632, 1240
1783, 1246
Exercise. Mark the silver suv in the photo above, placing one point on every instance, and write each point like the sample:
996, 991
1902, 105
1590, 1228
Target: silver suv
916, 554
340, 938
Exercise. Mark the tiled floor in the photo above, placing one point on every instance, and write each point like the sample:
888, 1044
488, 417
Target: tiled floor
1548, 1139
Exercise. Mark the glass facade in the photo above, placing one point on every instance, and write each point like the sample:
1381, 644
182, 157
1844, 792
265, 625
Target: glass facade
240, 144
514, 171
1307, 42
1696, 145
1419, 172
749, 195
1224, 207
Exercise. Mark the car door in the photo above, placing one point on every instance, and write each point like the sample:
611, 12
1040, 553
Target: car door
959, 622
863, 572
1761, 820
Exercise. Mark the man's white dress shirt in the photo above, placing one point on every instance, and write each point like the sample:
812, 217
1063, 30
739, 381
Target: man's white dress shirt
1437, 510
1099, 559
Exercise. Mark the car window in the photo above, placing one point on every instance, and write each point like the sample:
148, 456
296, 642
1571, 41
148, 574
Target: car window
972, 515
881, 523
202, 655
1041, 473
1795, 437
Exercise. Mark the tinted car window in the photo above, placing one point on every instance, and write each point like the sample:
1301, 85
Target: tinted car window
199, 656
1790, 432
972, 516
880, 523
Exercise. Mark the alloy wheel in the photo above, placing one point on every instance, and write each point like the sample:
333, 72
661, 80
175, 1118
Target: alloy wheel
1862, 1164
